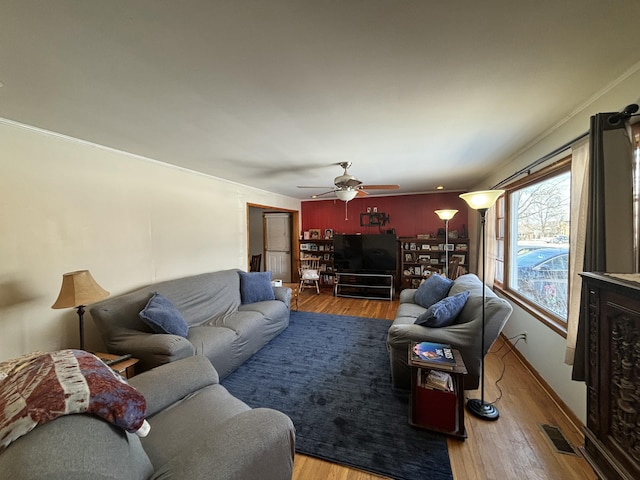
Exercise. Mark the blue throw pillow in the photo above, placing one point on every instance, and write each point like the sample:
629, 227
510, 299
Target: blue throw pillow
444, 312
163, 316
432, 290
255, 287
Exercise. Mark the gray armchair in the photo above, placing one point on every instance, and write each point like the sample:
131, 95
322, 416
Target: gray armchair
464, 335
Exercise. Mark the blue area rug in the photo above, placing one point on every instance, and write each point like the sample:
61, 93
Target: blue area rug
330, 374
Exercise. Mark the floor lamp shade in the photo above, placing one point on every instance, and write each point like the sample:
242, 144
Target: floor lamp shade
482, 201
445, 214
79, 289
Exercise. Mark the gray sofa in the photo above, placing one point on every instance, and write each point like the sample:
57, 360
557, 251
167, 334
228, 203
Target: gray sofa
220, 327
198, 431
465, 334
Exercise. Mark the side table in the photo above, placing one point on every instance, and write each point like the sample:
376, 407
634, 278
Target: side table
126, 367
294, 292
435, 409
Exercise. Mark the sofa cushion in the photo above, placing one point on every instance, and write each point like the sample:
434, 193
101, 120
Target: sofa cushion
444, 312
432, 290
163, 316
255, 287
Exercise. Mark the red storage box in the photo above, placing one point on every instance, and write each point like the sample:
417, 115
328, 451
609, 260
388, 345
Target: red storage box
435, 409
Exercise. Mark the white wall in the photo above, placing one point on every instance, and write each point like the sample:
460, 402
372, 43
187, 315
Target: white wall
545, 349
67, 205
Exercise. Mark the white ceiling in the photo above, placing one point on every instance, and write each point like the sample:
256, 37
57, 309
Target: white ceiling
272, 93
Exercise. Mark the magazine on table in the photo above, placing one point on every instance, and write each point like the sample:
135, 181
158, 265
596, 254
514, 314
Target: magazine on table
432, 355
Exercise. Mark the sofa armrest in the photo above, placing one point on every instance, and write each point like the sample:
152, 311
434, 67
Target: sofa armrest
257, 443
154, 349
184, 376
407, 295
459, 336
283, 294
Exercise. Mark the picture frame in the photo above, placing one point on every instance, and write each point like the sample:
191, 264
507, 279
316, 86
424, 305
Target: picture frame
328, 233
314, 233
408, 257
434, 261
449, 247
459, 256
426, 246
424, 258
306, 235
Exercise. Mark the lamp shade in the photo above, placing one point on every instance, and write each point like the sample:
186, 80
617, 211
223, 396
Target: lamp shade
79, 288
481, 200
346, 195
446, 214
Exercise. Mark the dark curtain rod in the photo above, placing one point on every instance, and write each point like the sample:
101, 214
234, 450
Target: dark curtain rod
542, 160
615, 118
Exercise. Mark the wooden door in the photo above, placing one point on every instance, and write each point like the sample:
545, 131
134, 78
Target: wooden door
278, 245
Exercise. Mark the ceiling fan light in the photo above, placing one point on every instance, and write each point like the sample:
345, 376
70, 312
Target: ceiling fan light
346, 195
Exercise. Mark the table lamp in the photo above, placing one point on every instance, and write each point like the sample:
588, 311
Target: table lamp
78, 290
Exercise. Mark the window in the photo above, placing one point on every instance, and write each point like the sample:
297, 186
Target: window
532, 250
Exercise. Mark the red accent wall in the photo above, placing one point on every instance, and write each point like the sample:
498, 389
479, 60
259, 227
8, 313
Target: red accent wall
408, 214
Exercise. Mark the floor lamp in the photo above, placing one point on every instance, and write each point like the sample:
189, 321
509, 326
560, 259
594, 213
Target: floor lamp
446, 215
482, 201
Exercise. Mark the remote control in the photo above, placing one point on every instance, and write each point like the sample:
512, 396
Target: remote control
118, 359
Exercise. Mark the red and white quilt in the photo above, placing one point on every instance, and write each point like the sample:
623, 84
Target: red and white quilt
39, 387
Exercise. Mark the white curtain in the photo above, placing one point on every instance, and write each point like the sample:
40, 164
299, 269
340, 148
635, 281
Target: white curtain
577, 234
490, 238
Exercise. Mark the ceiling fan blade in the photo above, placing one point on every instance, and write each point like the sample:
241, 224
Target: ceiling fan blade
323, 193
316, 187
381, 187
361, 193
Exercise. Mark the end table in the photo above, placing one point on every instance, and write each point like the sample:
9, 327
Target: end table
126, 367
438, 410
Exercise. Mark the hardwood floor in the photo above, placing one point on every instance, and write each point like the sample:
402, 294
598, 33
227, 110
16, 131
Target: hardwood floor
513, 447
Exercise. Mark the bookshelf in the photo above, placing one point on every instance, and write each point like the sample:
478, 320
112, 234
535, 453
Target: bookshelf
322, 250
421, 256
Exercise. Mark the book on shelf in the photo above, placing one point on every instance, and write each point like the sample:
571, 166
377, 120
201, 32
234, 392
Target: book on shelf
432, 355
441, 380
435, 380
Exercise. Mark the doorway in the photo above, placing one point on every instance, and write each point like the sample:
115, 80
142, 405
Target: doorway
284, 221
277, 255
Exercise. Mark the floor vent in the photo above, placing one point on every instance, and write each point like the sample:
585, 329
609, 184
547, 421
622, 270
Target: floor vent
557, 440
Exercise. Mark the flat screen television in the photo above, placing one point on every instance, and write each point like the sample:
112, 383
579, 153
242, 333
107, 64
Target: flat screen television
369, 253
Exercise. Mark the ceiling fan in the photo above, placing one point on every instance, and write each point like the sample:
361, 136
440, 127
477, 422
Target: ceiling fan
347, 186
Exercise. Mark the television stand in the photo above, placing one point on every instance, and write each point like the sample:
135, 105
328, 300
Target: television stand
364, 285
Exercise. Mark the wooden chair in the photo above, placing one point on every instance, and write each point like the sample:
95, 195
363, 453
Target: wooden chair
256, 263
309, 273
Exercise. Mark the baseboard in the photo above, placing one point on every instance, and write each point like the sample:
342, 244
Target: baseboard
563, 406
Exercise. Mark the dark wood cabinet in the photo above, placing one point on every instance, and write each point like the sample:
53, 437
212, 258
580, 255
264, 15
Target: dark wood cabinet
612, 434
